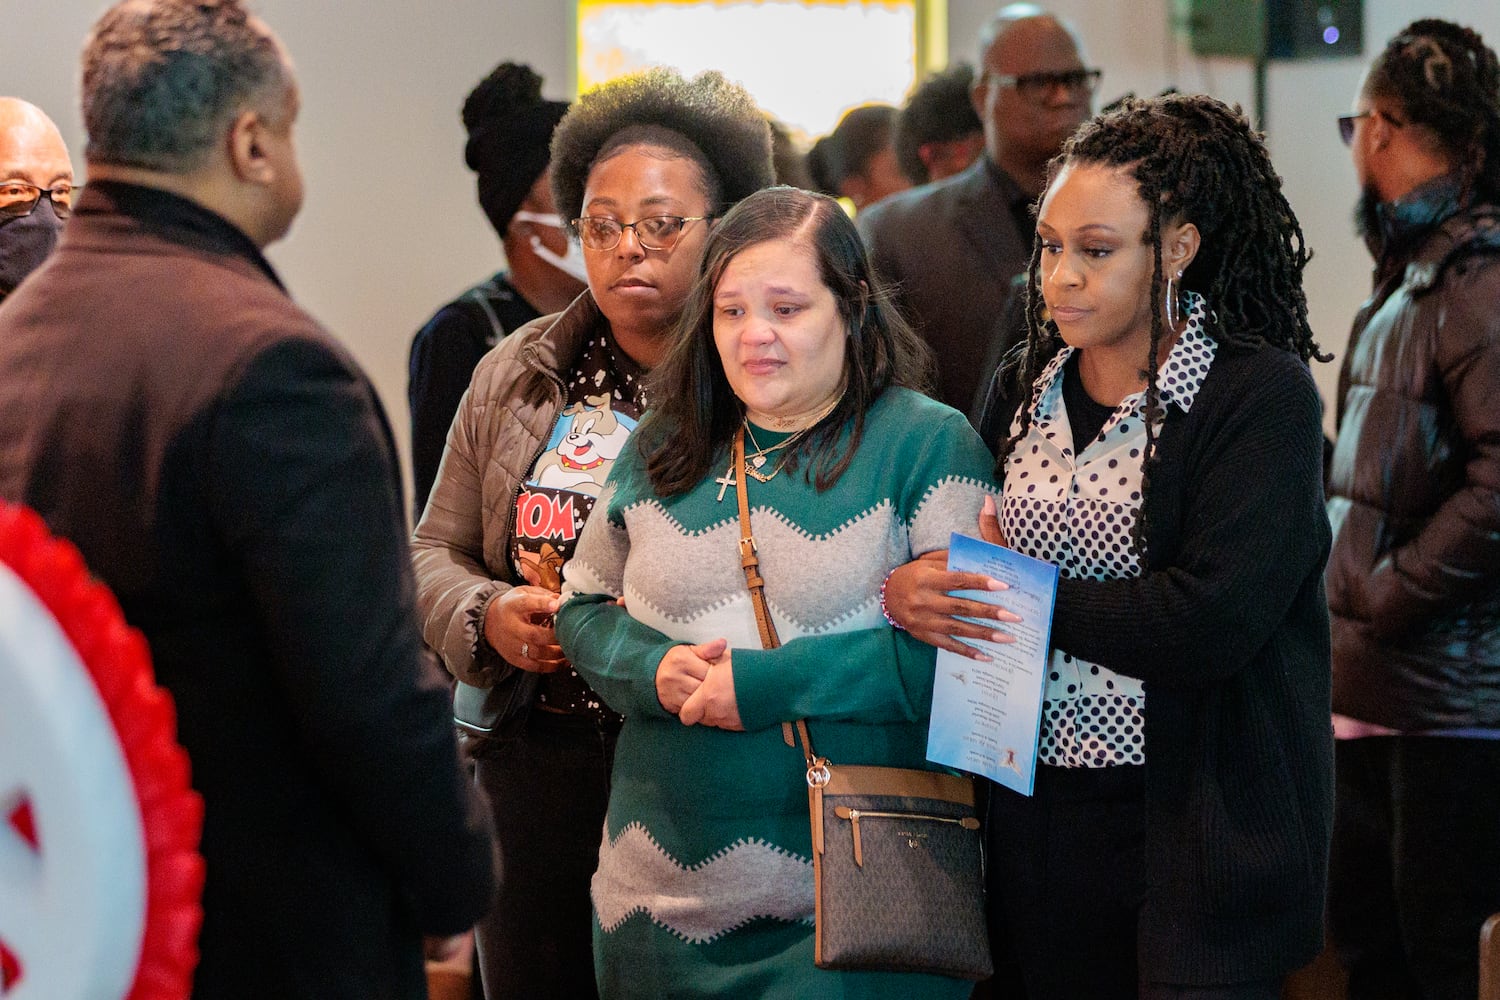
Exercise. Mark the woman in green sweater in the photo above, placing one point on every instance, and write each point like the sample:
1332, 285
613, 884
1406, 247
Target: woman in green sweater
705, 881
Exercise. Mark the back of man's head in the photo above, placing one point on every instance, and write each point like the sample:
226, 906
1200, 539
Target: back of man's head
937, 112
1441, 82
163, 80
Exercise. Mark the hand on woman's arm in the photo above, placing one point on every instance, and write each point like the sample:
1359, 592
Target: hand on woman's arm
518, 626
917, 597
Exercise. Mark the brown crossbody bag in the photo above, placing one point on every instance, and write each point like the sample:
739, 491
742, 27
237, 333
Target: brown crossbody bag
898, 858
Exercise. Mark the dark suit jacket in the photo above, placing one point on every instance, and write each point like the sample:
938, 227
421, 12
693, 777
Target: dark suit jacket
952, 249
226, 469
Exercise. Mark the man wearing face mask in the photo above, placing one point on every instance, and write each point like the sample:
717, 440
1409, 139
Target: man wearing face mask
36, 189
510, 126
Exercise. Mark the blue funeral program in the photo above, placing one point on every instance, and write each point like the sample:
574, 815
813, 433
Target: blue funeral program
986, 715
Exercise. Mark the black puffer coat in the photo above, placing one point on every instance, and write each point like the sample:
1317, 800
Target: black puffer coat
1414, 486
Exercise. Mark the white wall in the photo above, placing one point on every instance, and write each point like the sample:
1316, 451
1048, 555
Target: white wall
391, 229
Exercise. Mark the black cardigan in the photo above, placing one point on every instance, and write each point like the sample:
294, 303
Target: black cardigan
1228, 629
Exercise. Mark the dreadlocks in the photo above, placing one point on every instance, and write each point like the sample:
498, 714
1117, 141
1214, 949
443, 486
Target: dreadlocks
1196, 160
1446, 79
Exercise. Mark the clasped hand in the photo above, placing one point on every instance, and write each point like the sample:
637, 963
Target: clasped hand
696, 684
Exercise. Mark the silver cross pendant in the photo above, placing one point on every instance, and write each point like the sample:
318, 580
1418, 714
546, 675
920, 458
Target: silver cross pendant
725, 481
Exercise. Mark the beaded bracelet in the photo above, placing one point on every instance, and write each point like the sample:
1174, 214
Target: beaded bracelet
883, 610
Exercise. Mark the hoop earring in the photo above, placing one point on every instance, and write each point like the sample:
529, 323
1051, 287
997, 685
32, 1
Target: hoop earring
1174, 312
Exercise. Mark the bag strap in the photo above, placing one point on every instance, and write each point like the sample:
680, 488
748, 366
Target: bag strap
749, 560
750, 563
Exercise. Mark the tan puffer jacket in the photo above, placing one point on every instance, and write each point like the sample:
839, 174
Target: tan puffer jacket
461, 545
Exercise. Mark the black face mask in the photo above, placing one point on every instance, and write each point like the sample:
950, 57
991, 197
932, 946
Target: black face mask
25, 242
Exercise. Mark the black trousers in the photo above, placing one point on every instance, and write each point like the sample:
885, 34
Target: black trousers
1066, 882
1415, 868
548, 789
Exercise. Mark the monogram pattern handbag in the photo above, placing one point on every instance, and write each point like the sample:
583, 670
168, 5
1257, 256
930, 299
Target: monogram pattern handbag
897, 852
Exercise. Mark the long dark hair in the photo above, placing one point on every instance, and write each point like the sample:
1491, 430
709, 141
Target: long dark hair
694, 412
1194, 159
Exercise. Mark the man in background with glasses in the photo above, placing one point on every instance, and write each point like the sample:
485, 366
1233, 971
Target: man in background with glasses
36, 189
955, 248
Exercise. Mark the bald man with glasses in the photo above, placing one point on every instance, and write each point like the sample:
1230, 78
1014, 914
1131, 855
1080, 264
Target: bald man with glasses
957, 248
36, 189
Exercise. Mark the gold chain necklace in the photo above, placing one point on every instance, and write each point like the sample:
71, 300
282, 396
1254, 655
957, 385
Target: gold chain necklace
756, 461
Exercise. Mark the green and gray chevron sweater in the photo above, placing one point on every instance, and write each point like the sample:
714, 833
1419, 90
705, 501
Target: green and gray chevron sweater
705, 884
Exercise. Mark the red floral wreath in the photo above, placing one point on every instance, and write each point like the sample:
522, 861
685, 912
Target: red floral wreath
146, 726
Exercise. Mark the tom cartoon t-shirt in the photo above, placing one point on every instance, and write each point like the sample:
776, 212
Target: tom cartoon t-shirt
604, 403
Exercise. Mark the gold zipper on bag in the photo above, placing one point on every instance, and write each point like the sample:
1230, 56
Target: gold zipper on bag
913, 838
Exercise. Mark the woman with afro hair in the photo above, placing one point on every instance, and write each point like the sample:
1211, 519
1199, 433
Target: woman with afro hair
1159, 439
641, 168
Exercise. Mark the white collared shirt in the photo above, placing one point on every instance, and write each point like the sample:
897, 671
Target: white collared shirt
1075, 509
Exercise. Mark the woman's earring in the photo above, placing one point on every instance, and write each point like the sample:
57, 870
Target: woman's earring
1171, 303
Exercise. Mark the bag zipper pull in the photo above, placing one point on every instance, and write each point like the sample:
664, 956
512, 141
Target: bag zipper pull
852, 815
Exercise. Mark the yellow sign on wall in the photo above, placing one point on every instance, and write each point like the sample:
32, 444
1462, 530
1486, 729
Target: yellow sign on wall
805, 61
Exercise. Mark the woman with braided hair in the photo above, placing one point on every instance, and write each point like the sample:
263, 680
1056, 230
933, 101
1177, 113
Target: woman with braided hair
1414, 500
1443, 79
1159, 439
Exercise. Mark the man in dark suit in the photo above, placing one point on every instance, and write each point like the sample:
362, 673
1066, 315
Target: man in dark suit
226, 469
954, 247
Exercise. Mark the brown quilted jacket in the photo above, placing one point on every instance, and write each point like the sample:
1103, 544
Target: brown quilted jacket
460, 547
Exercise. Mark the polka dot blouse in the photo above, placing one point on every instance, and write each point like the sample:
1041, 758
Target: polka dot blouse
1074, 507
